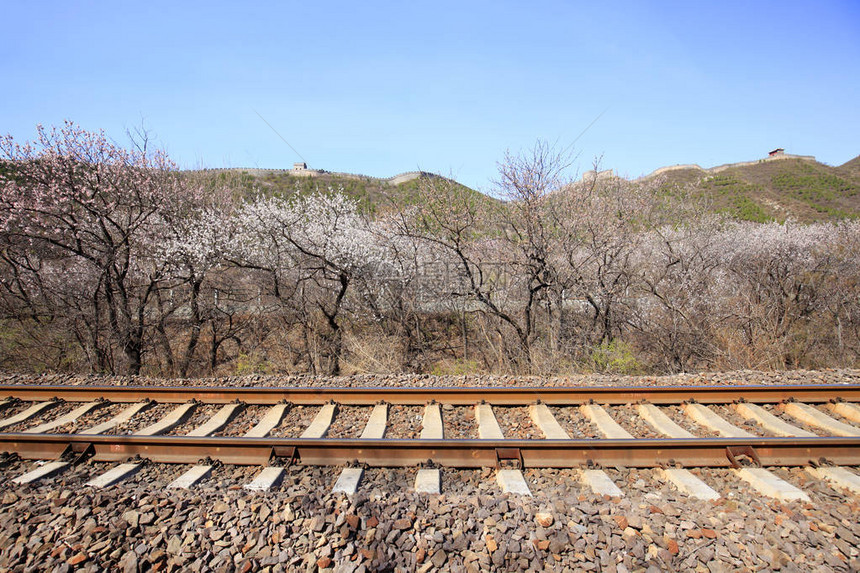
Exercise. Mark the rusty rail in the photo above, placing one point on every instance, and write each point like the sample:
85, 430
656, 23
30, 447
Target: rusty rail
714, 452
661, 395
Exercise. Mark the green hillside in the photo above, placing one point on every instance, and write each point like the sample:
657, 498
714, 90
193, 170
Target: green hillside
850, 168
801, 189
373, 195
790, 188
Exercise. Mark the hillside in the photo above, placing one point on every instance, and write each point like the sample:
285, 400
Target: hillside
792, 187
372, 194
851, 168
788, 187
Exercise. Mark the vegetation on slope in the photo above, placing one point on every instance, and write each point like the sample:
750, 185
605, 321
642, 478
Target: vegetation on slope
798, 189
373, 195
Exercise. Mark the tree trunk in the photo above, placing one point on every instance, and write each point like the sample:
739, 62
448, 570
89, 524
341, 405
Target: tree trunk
196, 324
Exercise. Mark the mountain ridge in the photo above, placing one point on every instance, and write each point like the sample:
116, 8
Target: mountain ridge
775, 188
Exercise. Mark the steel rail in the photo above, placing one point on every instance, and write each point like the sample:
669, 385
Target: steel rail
694, 452
511, 396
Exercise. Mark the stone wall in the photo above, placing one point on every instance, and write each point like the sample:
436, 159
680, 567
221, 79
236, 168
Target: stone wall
257, 172
725, 166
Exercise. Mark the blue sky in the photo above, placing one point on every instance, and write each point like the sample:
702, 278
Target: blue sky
381, 88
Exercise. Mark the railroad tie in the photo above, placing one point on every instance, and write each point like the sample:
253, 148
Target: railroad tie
709, 419
119, 419
191, 477
812, 416
350, 478
268, 422
67, 419
662, 423
543, 419
168, 422
838, 476
598, 480
847, 410
683, 480
429, 480
773, 424
114, 475
549, 426
768, 484
321, 423
45, 470
488, 426
33, 410
431, 425
221, 418
604, 422
512, 481
600, 483
266, 479
688, 484
348, 481
509, 480
375, 428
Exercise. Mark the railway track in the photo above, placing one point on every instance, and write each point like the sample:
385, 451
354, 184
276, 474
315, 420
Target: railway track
748, 428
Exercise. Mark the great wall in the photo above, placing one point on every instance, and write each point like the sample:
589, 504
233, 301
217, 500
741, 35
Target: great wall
719, 168
306, 172
301, 170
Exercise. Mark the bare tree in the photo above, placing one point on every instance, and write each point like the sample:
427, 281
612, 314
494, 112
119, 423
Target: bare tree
313, 248
76, 194
501, 252
603, 221
675, 312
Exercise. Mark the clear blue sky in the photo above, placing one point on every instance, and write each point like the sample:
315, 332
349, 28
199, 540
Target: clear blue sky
381, 88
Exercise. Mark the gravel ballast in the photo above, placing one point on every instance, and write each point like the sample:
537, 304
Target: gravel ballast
139, 525
748, 377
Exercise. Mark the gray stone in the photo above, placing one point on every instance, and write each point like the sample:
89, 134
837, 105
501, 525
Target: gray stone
129, 562
439, 558
131, 517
